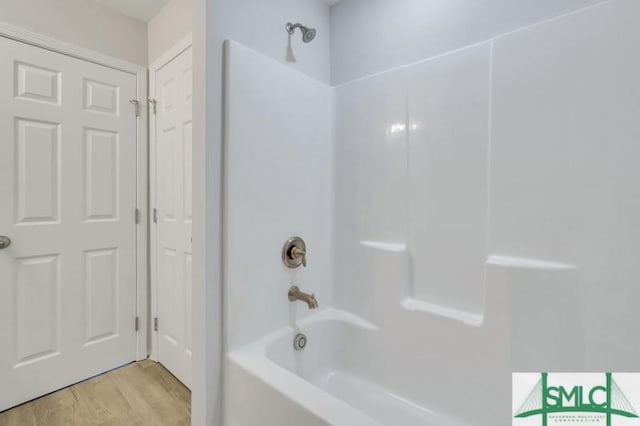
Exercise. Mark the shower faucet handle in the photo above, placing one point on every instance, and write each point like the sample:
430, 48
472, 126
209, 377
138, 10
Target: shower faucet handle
298, 253
294, 253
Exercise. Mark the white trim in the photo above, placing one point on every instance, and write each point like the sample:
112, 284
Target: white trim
156, 66
142, 264
153, 239
48, 43
171, 54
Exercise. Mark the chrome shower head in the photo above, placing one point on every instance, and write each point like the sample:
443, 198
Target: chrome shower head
308, 34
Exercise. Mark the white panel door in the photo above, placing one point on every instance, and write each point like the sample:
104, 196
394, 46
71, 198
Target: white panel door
172, 266
68, 184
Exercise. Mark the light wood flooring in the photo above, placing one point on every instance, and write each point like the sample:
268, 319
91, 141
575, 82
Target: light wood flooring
142, 393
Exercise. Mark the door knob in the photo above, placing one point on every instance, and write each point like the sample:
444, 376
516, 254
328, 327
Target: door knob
4, 242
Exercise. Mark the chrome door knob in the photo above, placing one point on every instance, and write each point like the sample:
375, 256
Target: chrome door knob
4, 242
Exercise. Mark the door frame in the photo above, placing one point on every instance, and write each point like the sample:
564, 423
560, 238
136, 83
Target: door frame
163, 60
45, 42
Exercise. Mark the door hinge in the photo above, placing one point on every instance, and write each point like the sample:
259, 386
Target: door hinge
155, 215
136, 105
155, 324
137, 324
137, 216
154, 105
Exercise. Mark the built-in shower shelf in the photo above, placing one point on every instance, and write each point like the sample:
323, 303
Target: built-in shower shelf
528, 263
467, 318
384, 246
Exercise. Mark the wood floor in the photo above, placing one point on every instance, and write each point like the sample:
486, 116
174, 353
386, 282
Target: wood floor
142, 393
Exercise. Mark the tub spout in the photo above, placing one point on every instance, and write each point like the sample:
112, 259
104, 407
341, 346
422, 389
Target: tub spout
296, 294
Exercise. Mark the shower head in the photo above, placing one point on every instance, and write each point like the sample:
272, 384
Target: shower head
308, 34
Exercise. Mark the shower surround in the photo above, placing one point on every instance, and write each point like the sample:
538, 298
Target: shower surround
466, 216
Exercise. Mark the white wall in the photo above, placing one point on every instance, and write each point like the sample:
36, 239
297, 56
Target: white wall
411, 164
369, 36
82, 23
566, 164
552, 209
206, 393
509, 171
259, 25
169, 26
277, 185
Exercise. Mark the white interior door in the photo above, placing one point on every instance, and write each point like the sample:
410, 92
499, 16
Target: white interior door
171, 273
68, 182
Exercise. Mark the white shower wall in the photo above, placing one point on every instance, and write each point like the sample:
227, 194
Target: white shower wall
477, 204
565, 165
375, 35
277, 185
412, 145
516, 158
259, 25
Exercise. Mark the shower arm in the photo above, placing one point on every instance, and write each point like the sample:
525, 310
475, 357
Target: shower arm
292, 27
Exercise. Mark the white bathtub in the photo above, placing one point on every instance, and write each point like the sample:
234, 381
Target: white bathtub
332, 381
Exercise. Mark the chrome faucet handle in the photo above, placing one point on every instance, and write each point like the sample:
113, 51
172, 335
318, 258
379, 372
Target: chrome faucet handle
294, 253
298, 253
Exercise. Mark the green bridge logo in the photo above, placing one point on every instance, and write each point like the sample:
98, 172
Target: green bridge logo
605, 399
